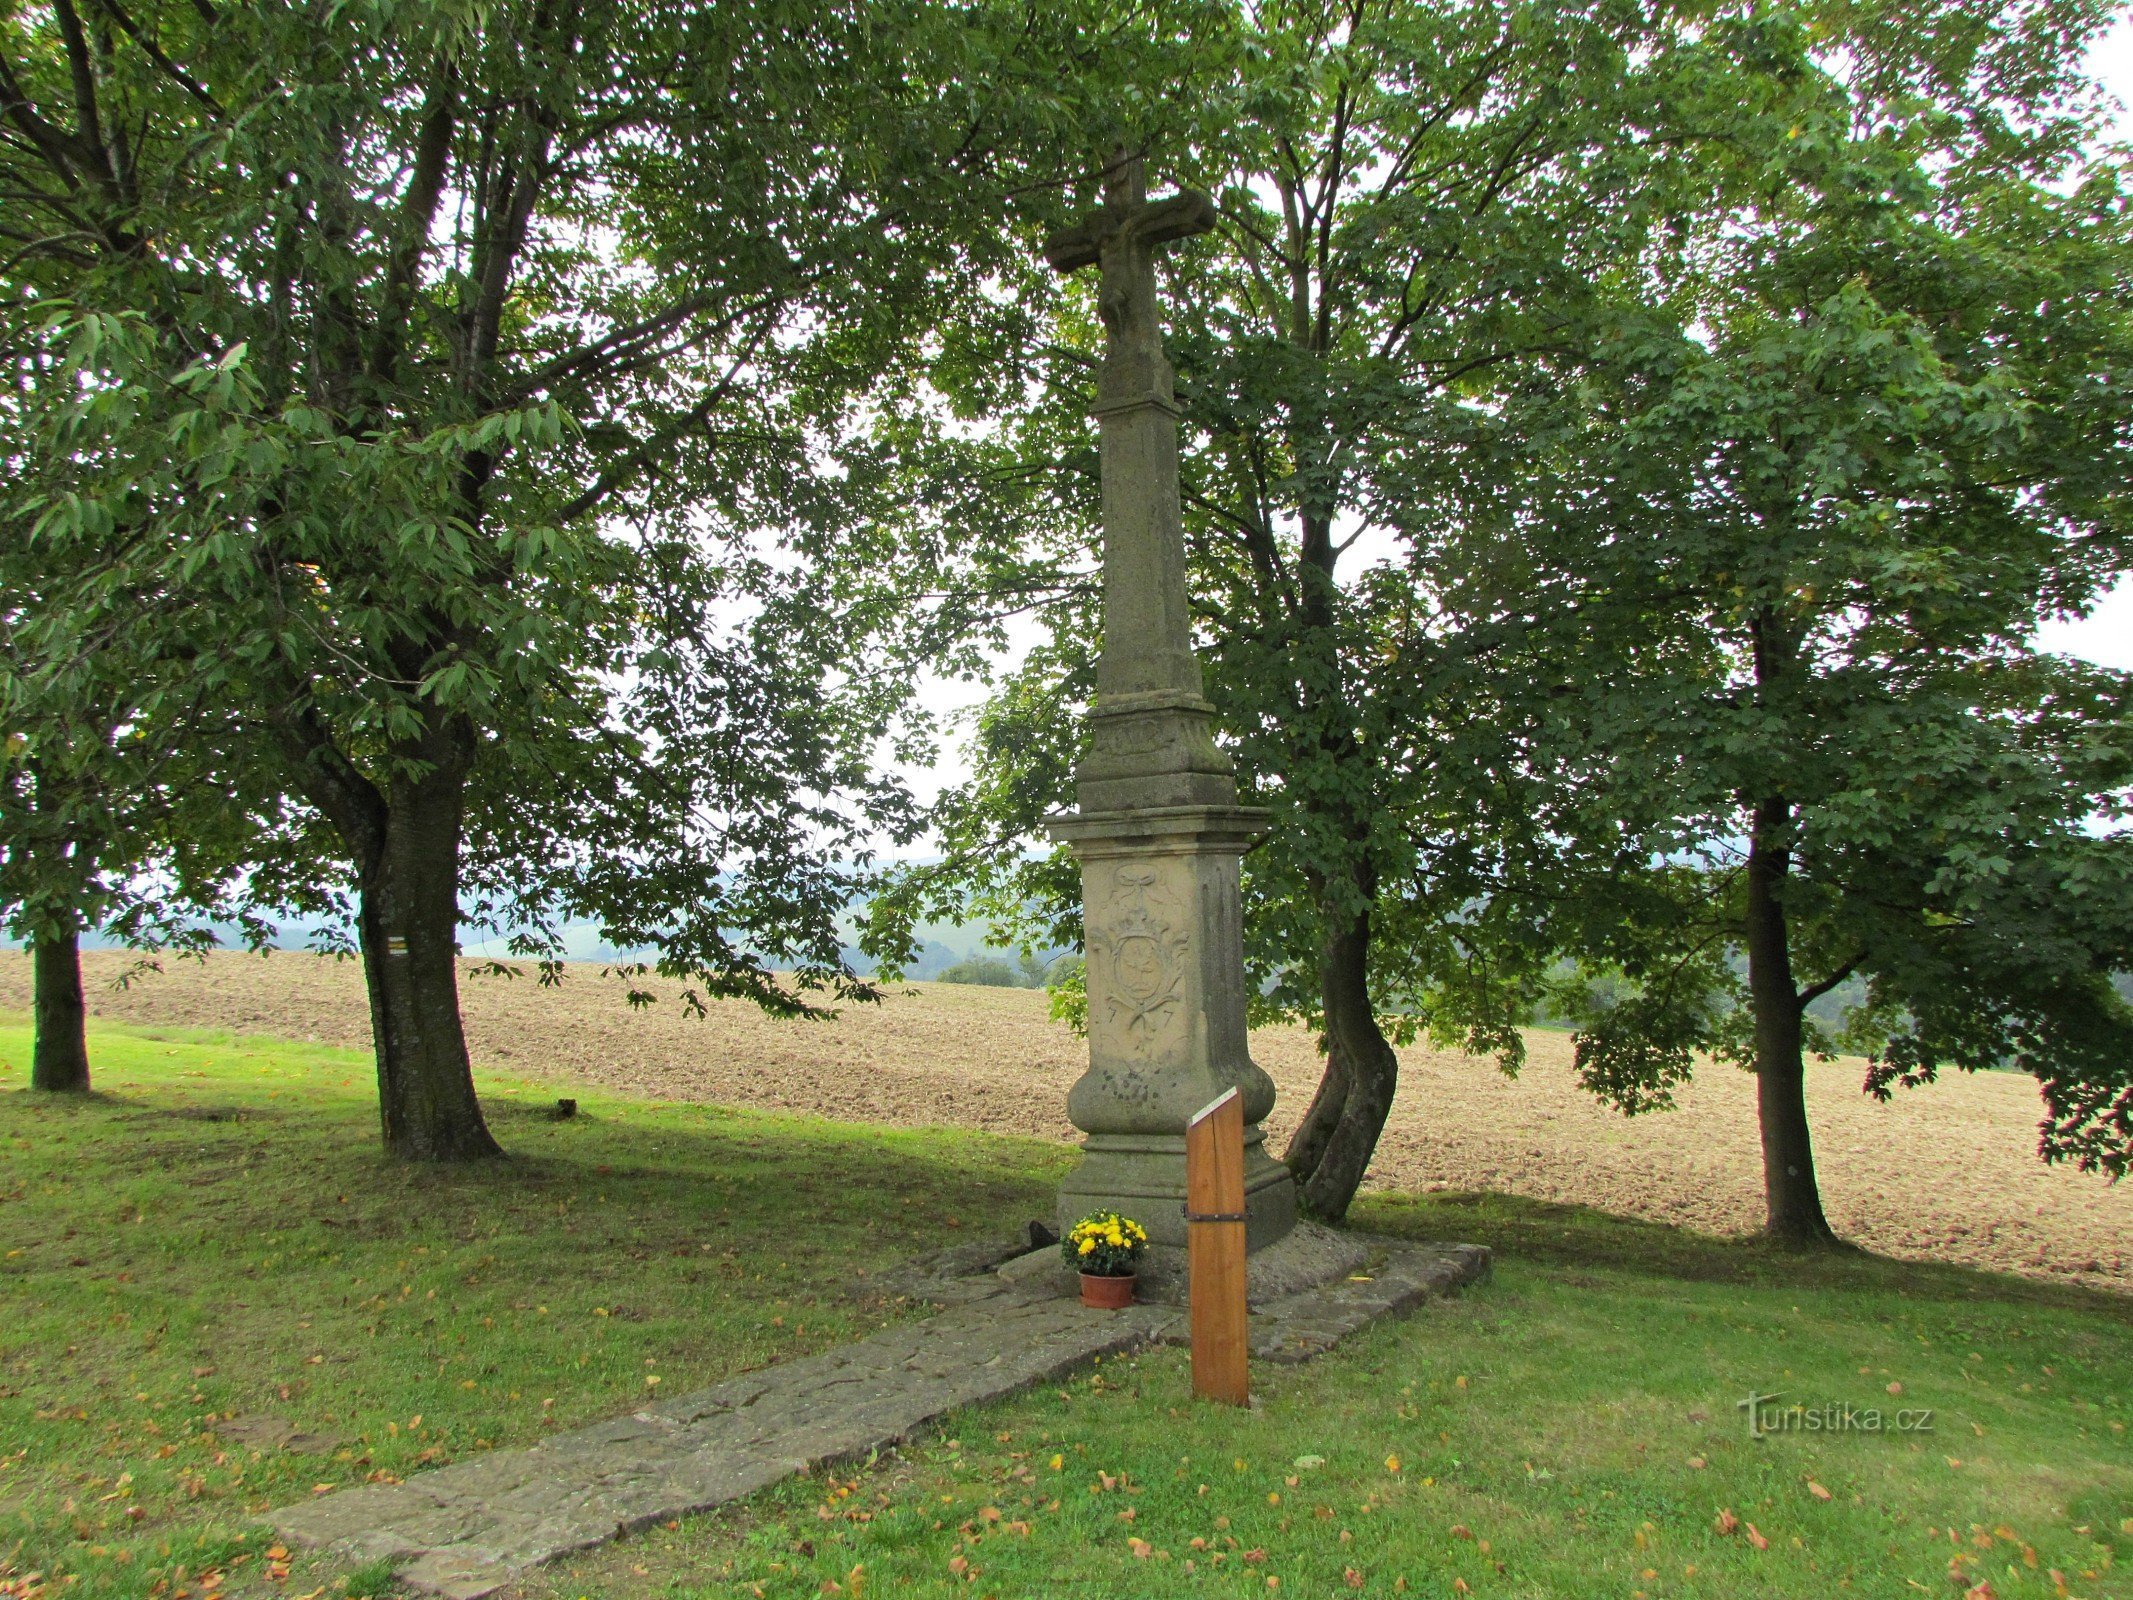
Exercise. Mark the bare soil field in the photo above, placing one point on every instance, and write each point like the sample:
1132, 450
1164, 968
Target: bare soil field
1948, 1173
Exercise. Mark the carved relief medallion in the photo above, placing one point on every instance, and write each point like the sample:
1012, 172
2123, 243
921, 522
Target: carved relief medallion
1140, 939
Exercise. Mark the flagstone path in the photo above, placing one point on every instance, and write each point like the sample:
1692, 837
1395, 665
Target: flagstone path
468, 1529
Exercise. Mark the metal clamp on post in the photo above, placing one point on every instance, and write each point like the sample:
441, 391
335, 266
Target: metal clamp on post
1214, 1216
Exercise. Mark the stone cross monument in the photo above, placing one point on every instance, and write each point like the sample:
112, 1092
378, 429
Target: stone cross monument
1158, 832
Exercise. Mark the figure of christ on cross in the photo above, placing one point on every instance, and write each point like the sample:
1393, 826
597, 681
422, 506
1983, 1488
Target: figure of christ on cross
1158, 830
1121, 238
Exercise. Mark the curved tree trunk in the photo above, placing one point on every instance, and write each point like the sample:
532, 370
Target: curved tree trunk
1332, 1148
59, 1058
1792, 1198
1307, 1146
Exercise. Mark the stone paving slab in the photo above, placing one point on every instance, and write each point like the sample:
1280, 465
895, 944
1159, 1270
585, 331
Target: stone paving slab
468, 1529
1309, 1256
471, 1528
1398, 1278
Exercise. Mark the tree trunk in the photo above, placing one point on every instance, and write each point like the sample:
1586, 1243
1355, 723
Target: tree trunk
409, 915
1792, 1199
59, 1057
1332, 1149
1307, 1146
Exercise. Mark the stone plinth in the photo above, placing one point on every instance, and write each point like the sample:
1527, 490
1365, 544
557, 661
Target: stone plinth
1163, 931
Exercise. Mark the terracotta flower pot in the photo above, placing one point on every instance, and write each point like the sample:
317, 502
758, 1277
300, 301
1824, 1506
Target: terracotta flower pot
1107, 1294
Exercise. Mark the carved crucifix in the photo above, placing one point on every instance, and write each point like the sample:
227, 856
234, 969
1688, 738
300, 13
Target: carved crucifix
1121, 237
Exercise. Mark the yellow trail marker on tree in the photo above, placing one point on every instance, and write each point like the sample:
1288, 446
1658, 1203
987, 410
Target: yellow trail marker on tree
1214, 1233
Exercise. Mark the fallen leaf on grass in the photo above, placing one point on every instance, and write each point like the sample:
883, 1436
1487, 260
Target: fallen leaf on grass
1756, 1538
1352, 1578
1817, 1490
1726, 1522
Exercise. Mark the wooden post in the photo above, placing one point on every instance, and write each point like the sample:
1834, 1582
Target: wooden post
1214, 1234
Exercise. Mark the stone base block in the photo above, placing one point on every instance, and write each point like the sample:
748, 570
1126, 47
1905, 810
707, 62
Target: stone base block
1143, 1176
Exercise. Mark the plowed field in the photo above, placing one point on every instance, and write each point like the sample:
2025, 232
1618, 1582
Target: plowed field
1948, 1173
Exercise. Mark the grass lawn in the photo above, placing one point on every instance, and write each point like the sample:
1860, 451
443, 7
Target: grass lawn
213, 1254
210, 1255
1570, 1429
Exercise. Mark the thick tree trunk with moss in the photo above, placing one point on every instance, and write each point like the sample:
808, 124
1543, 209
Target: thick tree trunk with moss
409, 914
59, 1055
405, 842
1792, 1198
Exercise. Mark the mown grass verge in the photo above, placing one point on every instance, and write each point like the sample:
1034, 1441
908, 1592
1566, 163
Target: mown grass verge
216, 1296
1570, 1429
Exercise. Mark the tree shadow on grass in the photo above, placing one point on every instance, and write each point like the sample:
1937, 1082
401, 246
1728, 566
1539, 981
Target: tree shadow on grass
678, 1175
1553, 1234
